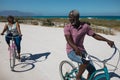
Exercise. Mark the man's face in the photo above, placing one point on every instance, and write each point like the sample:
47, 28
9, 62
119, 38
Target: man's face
73, 19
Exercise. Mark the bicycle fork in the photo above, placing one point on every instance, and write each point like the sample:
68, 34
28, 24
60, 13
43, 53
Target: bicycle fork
12, 49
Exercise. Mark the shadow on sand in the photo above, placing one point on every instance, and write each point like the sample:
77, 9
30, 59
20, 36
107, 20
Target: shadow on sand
38, 57
28, 60
113, 74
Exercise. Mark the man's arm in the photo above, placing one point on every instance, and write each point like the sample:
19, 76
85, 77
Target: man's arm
72, 44
100, 38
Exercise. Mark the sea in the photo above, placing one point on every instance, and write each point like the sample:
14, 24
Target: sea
88, 17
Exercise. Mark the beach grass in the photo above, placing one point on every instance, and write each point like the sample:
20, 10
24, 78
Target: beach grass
114, 24
103, 22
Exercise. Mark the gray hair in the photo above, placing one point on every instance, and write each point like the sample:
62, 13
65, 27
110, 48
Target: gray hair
75, 13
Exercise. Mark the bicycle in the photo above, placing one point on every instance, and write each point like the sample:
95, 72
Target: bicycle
13, 52
71, 70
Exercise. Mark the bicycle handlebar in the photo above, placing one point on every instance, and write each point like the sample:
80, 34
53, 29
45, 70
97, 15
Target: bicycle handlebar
105, 60
12, 36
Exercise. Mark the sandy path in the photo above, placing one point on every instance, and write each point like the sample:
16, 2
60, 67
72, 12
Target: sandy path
47, 49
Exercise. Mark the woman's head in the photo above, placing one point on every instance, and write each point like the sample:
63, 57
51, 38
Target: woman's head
10, 19
74, 17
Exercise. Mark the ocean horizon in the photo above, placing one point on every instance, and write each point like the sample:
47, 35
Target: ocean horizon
88, 17
81, 17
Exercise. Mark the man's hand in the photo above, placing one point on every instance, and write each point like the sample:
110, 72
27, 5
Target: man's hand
98, 37
110, 43
77, 51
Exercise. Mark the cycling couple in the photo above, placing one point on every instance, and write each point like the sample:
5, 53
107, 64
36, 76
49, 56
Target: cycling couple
74, 33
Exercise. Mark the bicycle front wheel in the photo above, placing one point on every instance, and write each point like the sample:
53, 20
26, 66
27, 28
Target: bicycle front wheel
12, 58
67, 70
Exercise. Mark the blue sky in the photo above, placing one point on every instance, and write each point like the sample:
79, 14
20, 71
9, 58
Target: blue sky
62, 7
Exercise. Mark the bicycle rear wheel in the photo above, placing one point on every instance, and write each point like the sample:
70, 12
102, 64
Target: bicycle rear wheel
67, 70
12, 58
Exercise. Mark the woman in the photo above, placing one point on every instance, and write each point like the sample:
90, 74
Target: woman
13, 29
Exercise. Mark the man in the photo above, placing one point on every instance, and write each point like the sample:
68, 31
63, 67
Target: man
74, 34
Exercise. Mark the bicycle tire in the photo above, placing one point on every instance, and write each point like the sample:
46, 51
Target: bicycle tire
12, 59
62, 75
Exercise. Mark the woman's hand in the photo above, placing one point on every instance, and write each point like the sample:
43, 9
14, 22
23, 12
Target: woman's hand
2, 33
20, 35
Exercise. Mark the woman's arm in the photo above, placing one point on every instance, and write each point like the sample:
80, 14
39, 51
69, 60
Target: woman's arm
18, 28
5, 28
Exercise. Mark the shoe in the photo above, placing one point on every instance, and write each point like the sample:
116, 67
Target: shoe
19, 60
17, 57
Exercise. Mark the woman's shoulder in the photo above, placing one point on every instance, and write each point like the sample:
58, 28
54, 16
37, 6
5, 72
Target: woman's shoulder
6, 23
16, 23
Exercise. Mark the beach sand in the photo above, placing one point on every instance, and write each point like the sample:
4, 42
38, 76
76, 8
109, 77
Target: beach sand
45, 49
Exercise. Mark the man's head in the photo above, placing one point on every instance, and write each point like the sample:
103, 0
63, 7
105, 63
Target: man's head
74, 17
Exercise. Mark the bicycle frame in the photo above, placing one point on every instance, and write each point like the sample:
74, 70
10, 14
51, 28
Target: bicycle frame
105, 75
12, 47
104, 70
12, 52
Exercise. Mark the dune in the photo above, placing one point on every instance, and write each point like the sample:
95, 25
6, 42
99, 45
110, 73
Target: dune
44, 49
